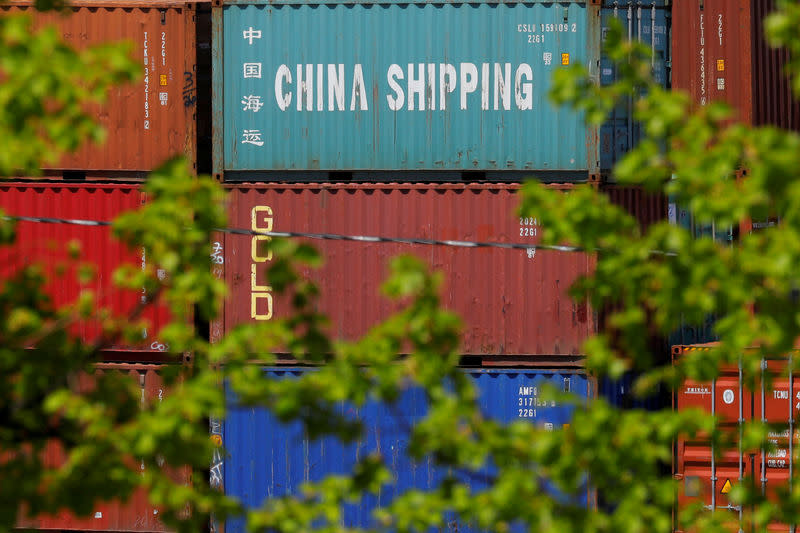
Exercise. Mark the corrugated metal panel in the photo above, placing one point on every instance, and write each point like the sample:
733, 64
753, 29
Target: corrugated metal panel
697, 333
711, 52
773, 102
719, 53
649, 25
137, 514
647, 208
269, 459
512, 302
774, 400
149, 121
289, 86
46, 244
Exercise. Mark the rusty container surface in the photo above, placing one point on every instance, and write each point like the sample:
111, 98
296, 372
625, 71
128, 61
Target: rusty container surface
719, 54
513, 302
48, 245
775, 399
148, 121
137, 514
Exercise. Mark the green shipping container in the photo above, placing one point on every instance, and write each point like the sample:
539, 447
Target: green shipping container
409, 87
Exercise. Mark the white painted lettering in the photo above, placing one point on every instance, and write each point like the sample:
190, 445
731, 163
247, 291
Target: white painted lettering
416, 86
468, 81
336, 86
523, 92
484, 86
319, 87
283, 99
306, 87
430, 88
502, 87
359, 90
447, 83
392, 75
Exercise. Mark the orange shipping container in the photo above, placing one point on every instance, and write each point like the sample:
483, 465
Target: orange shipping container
148, 121
707, 477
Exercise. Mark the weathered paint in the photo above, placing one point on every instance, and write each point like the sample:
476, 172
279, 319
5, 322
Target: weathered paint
719, 54
135, 515
318, 87
266, 458
648, 24
511, 301
148, 121
704, 471
47, 245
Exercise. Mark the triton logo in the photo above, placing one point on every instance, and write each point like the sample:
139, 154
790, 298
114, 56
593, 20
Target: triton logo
697, 390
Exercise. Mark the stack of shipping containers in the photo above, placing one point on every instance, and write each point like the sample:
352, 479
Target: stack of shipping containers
146, 123
720, 54
415, 120
411, 120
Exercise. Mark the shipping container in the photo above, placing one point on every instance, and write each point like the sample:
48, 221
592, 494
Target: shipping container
269, 459
514, 302
708, 475
422, 87
702, 332
720, 54
48, 244
646, 207
648, 24
148, 121
135, 515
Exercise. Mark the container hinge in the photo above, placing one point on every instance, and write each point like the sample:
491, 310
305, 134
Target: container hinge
566, 384
163, 17
566, 13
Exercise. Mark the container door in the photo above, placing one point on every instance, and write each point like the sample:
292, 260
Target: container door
708, 478
777, 402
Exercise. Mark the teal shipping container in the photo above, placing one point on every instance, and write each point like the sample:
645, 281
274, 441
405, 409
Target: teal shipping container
421, 87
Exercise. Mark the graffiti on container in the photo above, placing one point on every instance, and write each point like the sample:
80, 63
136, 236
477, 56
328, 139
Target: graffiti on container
216, 253
217, 259
215, 476
189, 89
146, 522
260, 295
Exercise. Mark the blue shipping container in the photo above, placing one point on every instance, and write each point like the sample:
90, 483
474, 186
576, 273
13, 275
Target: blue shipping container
390, 86
268, 459
649, 25
697, 333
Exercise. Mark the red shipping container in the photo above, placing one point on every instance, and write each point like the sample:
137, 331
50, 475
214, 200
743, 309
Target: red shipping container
148, 121
514, 303
46, 244
719, 54
776, 400
646, 207
137, 514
